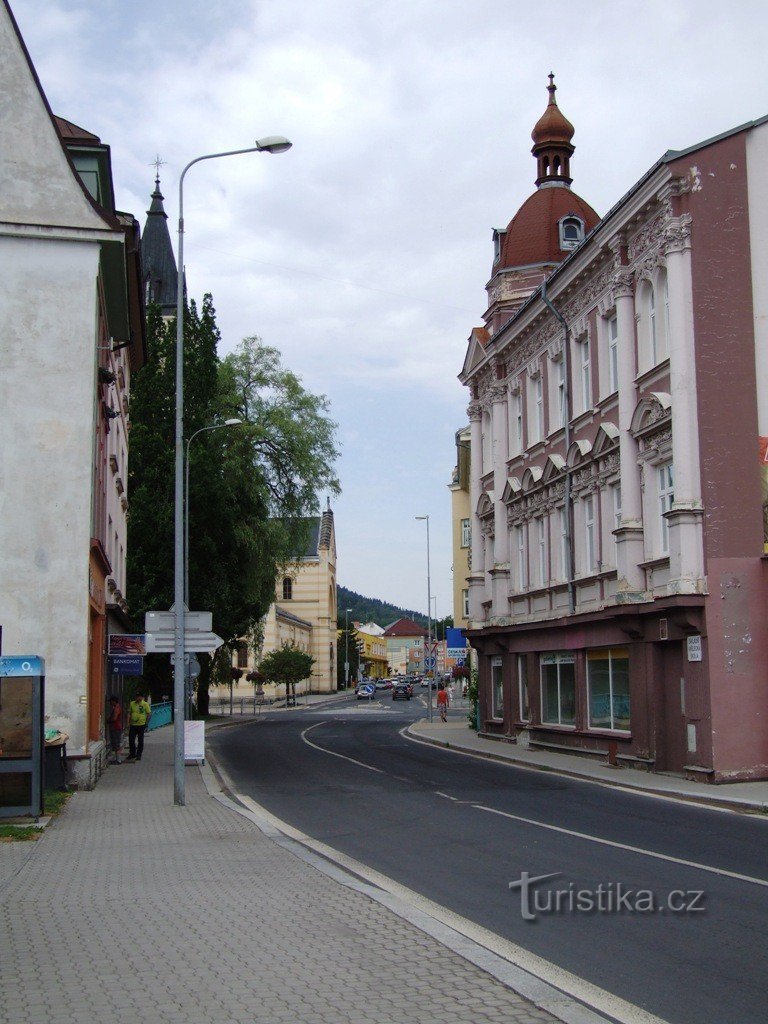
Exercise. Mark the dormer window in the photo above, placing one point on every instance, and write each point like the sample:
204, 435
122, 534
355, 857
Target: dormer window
571, 232
498, 241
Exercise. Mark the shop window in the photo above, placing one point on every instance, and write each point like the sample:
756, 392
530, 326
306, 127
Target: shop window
497, 687
558, 689
608, 687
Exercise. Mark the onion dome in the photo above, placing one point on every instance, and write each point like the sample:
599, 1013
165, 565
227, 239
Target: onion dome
552, 142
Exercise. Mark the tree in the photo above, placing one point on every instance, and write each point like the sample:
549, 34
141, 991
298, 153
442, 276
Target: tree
287, 666
347, 641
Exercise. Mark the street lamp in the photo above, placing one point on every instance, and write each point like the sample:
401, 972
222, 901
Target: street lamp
346, 651
429, 622
271, 144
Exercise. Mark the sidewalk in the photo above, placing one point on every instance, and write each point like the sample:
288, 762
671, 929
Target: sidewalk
744, 796
132, 910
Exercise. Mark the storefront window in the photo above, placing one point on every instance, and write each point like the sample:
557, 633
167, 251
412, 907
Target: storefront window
497, 687
608, 684
558, 689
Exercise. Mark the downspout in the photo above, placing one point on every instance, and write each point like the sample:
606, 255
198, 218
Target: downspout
567, 417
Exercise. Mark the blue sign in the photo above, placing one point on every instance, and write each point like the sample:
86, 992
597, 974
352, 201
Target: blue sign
367, 690
22, 665
430, 662
126, 665
455, 637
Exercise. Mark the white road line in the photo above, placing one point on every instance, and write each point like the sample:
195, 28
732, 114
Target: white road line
624, 846
447, 796
333, 753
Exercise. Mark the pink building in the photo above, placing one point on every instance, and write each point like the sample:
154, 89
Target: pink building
619, 399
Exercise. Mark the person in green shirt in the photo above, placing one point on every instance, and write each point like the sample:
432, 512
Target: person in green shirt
139, 714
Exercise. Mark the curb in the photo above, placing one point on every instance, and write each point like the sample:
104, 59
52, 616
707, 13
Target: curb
712, 802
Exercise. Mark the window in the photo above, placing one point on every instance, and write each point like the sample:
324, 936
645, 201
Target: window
242, 655
465, 603
564, 560
666, 481
589, 534
558, 689
571, 228
522, 687
616, 492
560, 378
497, 687
613, 354
608, 688
516, 425
586, 377
541, 530
287, 588
520, 545
466, 534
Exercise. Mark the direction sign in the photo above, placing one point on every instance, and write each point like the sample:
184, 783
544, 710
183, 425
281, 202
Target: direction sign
165, 622
195, 642
429, 663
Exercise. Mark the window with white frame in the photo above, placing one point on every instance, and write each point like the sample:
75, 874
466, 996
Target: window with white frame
585, 374
466, 533
666, 486
497, 686
536, 425
564, 560
558, 412
558, 688
520, 548
613, 354
465, 603
541, 550
522, 688
590, 550
608, 688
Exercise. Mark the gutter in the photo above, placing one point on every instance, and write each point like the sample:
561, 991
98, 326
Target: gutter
567, 417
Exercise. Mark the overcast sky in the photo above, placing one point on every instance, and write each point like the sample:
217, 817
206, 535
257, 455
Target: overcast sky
362, 254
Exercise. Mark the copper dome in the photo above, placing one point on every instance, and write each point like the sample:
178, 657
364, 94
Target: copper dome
533, 234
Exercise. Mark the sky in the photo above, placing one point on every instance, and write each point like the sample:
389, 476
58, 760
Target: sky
363, 253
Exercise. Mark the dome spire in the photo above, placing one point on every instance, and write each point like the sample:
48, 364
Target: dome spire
552, 143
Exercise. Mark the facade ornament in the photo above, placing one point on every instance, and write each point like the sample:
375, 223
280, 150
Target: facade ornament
555, 349
514, 385
534, 369
677, 234
474, 410
497, 392
645, 238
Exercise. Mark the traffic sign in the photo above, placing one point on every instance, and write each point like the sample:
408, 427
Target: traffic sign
165, 622
430, 662
195, 642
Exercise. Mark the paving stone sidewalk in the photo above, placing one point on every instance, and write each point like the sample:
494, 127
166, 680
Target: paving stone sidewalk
131, 910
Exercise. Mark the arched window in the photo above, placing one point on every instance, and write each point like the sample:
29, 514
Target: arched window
287, 588
571, 232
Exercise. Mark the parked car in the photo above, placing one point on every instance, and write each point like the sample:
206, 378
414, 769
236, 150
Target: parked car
402, 691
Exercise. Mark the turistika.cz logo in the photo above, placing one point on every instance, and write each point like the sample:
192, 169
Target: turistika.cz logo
607, 898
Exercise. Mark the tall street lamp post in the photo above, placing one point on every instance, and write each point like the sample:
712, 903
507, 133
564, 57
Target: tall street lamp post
429, 621
271, 144
346, 650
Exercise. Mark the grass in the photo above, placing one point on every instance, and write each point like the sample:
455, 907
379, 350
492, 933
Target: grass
19, 833
54, 801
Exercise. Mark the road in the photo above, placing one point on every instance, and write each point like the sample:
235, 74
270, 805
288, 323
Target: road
459, 829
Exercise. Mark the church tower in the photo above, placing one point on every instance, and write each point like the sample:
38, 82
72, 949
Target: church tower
158, 262
549, 224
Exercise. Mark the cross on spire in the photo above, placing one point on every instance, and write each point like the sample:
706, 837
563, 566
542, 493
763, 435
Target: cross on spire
157, 163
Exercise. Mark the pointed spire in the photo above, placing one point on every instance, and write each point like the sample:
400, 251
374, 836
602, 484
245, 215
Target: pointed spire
552, 143
157, 259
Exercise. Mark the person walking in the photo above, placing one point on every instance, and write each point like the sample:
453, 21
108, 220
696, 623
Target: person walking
115, 726
442, 702
139, 714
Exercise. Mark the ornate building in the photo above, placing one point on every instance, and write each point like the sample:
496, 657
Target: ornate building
618, 390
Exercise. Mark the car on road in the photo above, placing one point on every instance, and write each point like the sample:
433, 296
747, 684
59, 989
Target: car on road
402, 691
366, 691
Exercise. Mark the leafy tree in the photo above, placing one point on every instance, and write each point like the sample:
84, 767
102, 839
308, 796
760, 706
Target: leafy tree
287, 666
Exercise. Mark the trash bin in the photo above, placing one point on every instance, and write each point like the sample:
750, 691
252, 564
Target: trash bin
56, 762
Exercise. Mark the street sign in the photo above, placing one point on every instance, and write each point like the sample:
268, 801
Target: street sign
456, 652
165, 622
430, 648
429, 663
195, 642
126, 664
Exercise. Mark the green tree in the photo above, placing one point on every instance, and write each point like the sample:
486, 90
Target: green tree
287, 666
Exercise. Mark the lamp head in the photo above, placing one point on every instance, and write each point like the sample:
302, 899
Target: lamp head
273, 144
421, 517
232, 423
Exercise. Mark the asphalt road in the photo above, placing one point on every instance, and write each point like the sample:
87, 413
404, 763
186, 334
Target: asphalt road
459, 830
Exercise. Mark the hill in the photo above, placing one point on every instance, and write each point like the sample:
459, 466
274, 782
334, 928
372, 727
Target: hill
370, 609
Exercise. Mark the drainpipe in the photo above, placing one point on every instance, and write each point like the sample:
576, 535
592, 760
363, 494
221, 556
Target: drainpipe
567, 417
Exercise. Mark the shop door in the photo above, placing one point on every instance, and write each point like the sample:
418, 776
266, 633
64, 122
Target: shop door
672, 755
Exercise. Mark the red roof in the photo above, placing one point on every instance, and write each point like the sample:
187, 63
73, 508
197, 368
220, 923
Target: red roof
405, 627
533, 235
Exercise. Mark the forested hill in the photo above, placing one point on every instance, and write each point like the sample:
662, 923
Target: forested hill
370, 609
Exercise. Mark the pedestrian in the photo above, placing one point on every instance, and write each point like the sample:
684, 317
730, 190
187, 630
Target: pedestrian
442, 702
115, 726
139, 713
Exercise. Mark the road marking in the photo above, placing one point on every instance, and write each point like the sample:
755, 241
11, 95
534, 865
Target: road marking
447, 796
333, 753
624, 846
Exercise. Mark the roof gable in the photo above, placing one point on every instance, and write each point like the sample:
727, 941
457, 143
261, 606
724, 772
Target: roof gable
405, 627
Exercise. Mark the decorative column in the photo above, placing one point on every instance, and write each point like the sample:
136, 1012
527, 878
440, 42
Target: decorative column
629, 536
500, 564
476, 578
686, 547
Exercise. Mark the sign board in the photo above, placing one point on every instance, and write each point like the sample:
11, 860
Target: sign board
429, 663
367, 690
165, 622
455, 638
194, 643
126, 664
456, 653
194, 741
127, 644
694, 648
430, 648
